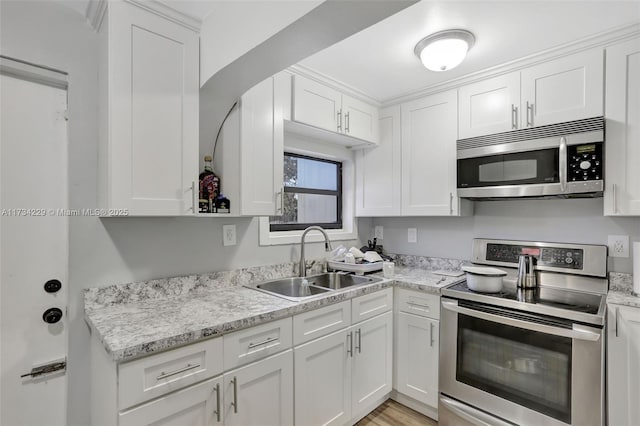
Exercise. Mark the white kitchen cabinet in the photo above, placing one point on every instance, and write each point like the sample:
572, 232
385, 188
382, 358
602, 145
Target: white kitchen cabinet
417, 358
378, 170
622, 147
623, 368
260, 393
322, 371
250, 154
429, 132
197, 405
565, 89
489, 106
326, 108
372, 368
148, 139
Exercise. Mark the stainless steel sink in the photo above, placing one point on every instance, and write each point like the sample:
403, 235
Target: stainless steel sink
301, 288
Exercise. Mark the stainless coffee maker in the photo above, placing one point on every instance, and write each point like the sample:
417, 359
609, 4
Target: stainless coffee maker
526, 272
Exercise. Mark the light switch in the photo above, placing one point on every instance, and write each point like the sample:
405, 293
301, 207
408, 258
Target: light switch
412, 235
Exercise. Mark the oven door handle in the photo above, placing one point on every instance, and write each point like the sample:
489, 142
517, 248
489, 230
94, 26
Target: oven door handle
577, 332
473, 416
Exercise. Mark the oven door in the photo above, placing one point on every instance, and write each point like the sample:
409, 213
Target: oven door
521, 367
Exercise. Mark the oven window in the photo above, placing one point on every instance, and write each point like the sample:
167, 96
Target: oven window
529, 368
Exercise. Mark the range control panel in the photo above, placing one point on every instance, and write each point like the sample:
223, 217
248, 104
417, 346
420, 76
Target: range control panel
584, 162
557, 257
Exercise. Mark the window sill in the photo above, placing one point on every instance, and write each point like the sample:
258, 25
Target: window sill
268, 238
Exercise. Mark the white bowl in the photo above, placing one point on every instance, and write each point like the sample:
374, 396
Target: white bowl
483, 279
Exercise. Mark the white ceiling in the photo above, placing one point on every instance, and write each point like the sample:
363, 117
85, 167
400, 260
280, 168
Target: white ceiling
379, 61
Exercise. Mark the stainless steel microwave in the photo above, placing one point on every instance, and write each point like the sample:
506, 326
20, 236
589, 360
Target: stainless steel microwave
558, 160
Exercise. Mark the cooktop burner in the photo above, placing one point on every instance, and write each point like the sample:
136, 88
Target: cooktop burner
544, 296
571, 279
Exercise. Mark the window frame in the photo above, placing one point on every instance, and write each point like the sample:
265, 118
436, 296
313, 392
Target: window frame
338, 193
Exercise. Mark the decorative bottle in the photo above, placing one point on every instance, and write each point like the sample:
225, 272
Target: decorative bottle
209, 187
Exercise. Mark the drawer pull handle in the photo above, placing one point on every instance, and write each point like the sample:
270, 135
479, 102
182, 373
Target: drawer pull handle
264, 342
431, 327
350, 344
164, 375
217, 410
235, 394
418, 304
359, 344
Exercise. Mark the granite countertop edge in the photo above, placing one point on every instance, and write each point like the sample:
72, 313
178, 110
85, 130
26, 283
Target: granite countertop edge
96, 317
621, 290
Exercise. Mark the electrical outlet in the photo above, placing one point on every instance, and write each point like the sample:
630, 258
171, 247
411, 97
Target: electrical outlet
412, 235
379, 232
228, 235
618, 245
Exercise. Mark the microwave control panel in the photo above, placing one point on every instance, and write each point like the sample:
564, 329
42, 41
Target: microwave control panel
557, 257
584, 162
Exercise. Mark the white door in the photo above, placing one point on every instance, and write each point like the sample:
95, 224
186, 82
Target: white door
417, 353
316, 104
623, 368
323, 380
429, 156
260, 394
360, 119
198, 405
372, 363
34, 249
622, 149
489, 106
378, 170
566, 89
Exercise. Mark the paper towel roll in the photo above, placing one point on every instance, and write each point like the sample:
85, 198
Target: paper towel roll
636, 268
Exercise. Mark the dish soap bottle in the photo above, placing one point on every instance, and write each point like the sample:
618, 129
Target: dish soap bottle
209, 187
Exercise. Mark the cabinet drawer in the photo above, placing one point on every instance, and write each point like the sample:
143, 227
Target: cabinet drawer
310, 325
417, 303
252, 344
370, 305
156, 375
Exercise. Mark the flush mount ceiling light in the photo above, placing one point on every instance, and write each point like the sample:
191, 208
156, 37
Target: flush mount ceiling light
444, 50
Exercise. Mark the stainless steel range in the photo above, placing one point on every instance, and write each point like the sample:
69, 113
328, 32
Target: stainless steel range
526, 356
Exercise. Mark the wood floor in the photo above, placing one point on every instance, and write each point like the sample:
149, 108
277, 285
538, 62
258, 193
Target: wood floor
393, 414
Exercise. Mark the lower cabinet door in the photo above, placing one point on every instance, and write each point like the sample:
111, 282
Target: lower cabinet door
323, 380
417, 358
372, 363
197, 405
260, 394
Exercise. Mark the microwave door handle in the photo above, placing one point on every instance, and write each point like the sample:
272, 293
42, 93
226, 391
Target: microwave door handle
577, 332
473, 416
562, 166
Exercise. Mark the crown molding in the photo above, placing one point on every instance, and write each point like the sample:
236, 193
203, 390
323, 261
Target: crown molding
599, 40
326, 80
97, 8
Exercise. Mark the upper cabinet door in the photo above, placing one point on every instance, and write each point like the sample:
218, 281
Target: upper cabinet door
359, 119
489, 106
429, 156
316, 104
151, 75
378, 170
622, 146
566, 89
262, 146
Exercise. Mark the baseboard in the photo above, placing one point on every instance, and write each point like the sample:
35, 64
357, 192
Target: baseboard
420, 407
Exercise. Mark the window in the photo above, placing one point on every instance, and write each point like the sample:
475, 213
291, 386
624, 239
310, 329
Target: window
312, 194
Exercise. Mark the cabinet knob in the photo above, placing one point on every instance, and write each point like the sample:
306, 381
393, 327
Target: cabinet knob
52, 315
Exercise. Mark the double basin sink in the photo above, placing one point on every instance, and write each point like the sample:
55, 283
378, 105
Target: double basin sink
301, 288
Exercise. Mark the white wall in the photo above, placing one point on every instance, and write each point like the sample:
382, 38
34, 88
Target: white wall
578, 221
109, 251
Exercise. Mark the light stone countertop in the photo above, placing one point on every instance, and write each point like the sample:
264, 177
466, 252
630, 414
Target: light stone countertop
138, 319
621, 290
